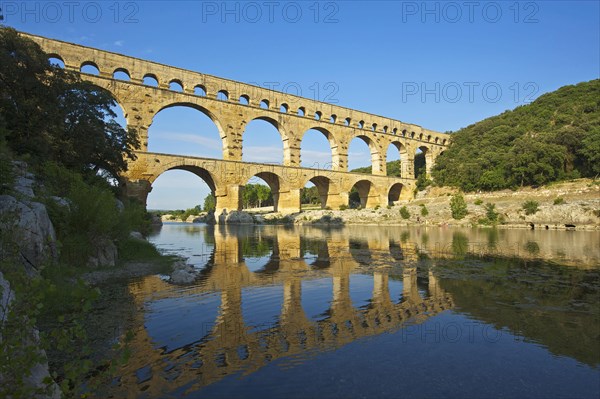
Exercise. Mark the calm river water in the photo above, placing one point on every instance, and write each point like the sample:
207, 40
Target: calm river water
369, 312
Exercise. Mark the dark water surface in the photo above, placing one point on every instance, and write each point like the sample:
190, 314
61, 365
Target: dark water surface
369, 312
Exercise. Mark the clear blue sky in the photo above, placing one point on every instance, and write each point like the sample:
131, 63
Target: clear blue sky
442, 65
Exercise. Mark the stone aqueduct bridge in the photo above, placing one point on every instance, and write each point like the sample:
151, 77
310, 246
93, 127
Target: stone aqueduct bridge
231, 106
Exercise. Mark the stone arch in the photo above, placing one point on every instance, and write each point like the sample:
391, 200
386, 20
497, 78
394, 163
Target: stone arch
282, 133
176, 85
225, 139
284, 108
366, 193
395, 193
148, 78
244, 99
273, 181
404, 158
123, 72
325, 186
89, 64
200, 90
428, 158
56, 57
376, 158
333, 146
202, 172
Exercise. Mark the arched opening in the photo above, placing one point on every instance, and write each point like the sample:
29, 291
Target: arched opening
284, 108
359, 194
185, 130
385, 129
347, 121
261, 142
374, 127
121, 74
176, 85
395, 131
89, 68
361, 124
261, 193
244, 99
56, 61
223, 95
301, 111
318, 115
420, 163
182, 188
315, 193
264, 104
395, 193
362, 155
150, 80
333, 118
313, 149
200, 90
396, 158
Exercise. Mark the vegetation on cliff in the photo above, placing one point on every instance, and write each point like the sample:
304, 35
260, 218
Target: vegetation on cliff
66, 132
556, 137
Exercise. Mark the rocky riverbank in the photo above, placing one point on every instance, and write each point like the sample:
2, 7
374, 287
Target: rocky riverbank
565, 205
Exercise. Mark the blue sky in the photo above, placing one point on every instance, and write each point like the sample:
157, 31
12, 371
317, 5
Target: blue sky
442, 65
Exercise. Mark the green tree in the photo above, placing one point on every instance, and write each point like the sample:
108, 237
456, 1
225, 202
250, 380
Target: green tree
424, 210
49, 114
530, 207
210, 203
458, 206
404, 212
490, 212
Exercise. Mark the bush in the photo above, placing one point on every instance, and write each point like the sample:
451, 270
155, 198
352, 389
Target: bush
490, 212
458, 206
478, 201
343, 207
404, 212
424, 210
530, 207
559, 201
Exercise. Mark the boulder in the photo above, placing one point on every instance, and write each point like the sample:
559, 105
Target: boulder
183, 273
136, 235
31, 230
104, 254
235, 217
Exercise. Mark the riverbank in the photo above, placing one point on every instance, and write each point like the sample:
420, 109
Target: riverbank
564, 205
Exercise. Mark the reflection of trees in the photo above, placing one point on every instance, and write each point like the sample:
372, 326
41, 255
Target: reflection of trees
492, 238
460, 243
255, 247
557, 308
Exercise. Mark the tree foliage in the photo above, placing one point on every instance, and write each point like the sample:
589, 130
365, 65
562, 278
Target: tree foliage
49, 114
555, 137
458, 206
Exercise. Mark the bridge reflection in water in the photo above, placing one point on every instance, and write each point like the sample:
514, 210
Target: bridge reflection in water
277, 297
230, 346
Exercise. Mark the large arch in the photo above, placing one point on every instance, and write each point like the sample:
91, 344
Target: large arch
254, 148
374, 155
312, 157
395, 193
364, 189
401, 169
423, 160
272, 180
192, 122
166, 181
324, 187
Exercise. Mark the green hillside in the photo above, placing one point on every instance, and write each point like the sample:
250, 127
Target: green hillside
555, 137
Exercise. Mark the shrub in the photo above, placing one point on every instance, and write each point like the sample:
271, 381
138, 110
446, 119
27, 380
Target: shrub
530, 207
458, 206
404, 212
478, 201
343, 207
559, 201
424, 211
490, 212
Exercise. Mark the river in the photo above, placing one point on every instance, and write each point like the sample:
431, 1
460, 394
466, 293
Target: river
368, 311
